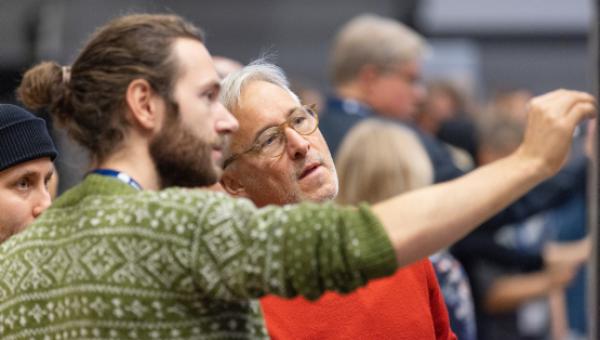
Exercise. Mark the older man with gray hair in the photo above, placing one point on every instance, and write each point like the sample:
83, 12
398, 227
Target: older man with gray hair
296, 165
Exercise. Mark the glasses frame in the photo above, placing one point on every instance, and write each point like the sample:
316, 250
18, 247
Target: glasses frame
255, 147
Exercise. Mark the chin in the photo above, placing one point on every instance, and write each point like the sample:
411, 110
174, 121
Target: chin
218, 171
324, 195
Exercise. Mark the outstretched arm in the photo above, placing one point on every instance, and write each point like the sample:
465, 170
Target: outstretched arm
421, 222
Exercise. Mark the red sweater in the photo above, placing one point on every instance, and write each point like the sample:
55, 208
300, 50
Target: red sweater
407, 305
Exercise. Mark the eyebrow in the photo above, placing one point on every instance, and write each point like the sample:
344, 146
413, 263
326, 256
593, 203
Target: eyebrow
265, 128
29, 173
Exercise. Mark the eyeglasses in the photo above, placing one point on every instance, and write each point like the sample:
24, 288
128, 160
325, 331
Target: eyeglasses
271, 142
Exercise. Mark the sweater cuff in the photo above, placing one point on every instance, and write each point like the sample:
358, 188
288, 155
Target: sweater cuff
377, 256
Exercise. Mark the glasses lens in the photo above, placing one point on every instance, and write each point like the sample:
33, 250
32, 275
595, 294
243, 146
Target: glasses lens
303, 120
270, 142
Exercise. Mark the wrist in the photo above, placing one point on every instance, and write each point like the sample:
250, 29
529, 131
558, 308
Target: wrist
531, 166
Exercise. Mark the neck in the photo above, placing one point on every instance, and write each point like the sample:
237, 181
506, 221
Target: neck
135, 162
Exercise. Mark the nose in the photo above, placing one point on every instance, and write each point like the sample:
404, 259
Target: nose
297, 146
41, 203
226, 123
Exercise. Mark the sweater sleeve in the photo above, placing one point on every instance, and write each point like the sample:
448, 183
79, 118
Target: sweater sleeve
239, 251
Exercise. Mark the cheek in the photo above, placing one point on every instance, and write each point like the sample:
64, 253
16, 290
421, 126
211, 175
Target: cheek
194, 114
391, 94
323, 149
272, 177
19, 214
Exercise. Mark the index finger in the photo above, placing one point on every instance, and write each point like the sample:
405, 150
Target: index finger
562, 101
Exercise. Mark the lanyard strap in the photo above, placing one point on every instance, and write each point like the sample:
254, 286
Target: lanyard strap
121, 176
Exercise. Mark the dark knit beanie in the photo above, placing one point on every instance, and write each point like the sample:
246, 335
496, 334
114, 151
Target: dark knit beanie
23, 137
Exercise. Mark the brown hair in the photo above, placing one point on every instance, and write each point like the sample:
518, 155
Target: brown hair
89, 98
499, 135
378, 160
375, 40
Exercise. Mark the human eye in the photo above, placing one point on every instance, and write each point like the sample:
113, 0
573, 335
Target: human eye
210, 95
302, 121
268, 139
298, 119
23, 184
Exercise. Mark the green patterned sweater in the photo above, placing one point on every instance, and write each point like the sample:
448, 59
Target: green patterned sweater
109, 262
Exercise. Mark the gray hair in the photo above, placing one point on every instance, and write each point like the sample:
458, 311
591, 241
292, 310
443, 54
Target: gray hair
372, 39
258, 70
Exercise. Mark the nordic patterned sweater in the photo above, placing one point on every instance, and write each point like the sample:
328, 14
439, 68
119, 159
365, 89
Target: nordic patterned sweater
109, 262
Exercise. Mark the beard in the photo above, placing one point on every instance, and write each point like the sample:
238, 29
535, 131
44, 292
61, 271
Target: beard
182, 158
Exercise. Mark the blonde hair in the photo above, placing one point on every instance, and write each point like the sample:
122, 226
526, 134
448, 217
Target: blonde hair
378, 160
375, 40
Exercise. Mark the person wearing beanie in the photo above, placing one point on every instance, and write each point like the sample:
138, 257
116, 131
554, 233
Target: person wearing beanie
26, 155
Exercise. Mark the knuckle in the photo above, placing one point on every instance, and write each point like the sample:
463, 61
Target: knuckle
535, 103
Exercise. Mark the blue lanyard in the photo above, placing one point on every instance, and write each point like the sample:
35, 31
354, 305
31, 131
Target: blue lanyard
121, 176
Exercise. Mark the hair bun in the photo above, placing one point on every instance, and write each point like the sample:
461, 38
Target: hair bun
40, 84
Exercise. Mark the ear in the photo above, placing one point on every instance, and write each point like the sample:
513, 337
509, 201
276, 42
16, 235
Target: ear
145, 106
232, 185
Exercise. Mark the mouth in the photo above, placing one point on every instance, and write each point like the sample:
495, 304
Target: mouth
309, 169
217, 152
218, 148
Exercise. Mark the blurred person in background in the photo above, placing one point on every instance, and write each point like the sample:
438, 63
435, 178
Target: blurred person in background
307, 93
375, 68
26, 169
132, 252
511, 104
446, 114
375, 71
379, 160
407, 305
442, 103
517, 304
